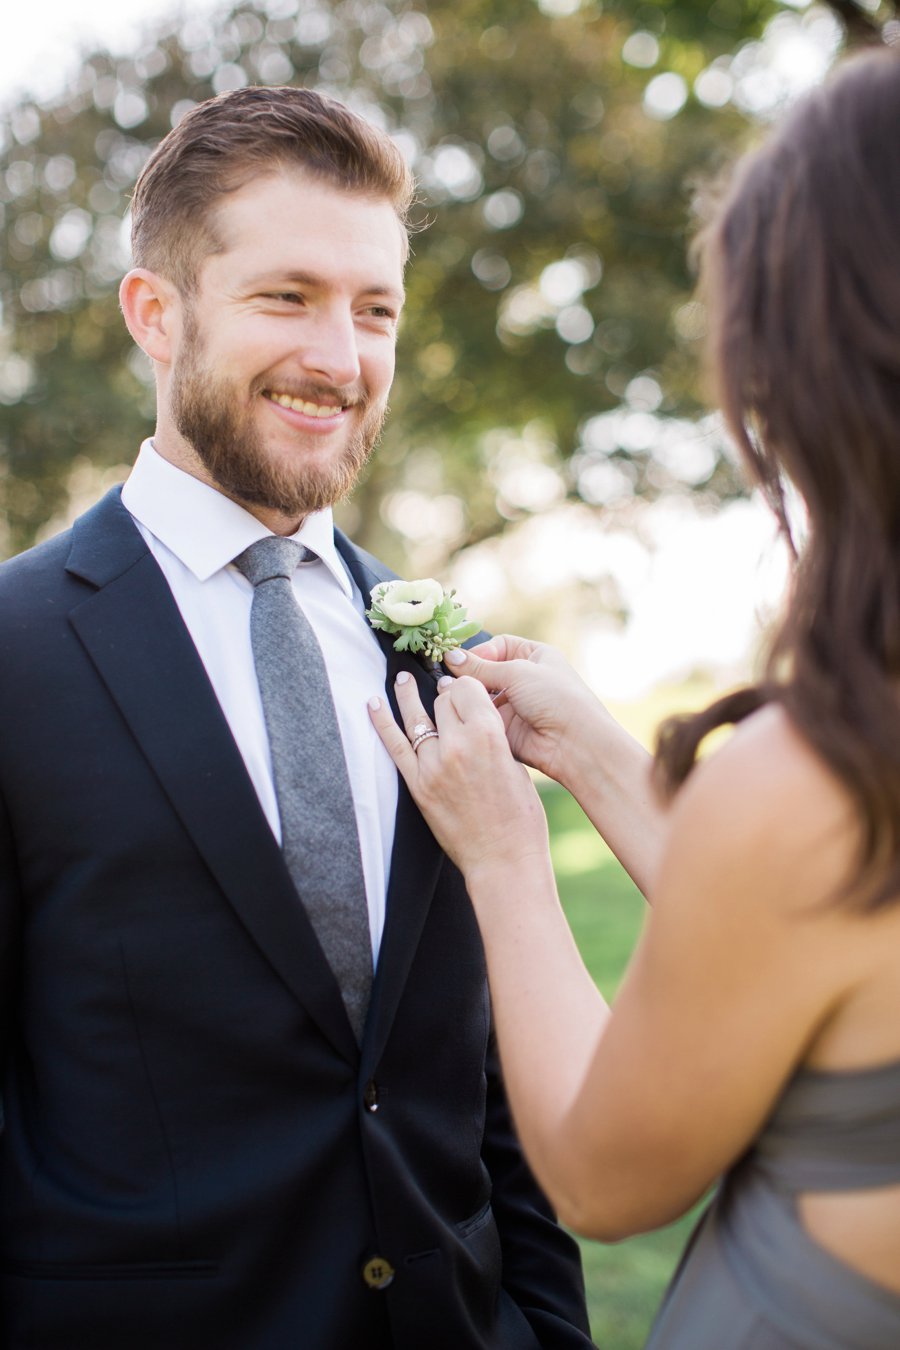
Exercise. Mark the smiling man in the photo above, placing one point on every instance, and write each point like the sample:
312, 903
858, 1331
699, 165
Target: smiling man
251, 1095
274, 370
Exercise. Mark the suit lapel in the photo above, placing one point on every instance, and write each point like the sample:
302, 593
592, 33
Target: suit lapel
417, 859
134, 634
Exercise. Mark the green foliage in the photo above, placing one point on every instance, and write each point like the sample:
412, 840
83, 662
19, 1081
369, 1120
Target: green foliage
625, 1283
527, 129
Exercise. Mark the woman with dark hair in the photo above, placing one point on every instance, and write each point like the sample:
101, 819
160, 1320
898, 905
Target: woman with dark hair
756, 1036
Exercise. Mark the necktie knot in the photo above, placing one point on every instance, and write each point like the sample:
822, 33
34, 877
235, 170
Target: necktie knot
271, 557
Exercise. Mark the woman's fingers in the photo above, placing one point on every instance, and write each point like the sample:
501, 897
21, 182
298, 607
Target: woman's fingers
465, 701
403, 744
395, 742
504, 647
493, 673
456, 764
417, 723
418, 732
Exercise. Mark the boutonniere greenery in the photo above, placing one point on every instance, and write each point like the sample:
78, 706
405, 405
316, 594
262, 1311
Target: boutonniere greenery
423, 617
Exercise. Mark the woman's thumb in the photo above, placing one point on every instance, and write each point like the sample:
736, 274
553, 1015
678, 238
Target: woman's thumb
489, 673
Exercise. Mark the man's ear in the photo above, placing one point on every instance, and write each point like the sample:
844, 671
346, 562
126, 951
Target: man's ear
151, 306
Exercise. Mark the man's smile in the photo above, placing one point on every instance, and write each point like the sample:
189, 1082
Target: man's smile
302, 405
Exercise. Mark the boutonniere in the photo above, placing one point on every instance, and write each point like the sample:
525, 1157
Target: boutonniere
423, 616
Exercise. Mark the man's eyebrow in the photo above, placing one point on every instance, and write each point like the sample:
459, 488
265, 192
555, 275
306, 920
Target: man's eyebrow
315, 282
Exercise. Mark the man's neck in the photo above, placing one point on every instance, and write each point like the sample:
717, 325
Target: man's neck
182, 456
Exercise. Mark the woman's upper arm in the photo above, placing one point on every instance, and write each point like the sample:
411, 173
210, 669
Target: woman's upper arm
737, 967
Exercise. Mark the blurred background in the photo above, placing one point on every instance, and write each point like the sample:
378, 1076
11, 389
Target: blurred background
550, 449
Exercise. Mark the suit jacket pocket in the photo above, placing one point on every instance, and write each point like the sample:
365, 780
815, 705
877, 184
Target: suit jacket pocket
105, 1305
470, 1226
110, 1270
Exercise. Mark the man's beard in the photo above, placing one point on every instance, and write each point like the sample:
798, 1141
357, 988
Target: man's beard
233, 451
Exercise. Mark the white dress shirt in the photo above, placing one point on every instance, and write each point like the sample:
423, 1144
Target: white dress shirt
194, 532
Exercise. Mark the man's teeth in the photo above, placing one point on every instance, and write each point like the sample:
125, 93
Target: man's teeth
300, 405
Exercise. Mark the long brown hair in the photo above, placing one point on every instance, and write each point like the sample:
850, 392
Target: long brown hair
800, 266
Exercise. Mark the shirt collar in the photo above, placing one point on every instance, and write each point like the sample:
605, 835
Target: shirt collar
206, 530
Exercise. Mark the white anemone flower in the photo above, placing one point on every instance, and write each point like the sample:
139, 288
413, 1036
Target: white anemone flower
408, 602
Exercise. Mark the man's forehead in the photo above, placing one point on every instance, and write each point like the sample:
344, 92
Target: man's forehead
238, 220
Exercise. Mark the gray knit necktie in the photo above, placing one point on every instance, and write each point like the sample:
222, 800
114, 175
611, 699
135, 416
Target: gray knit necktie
318, 825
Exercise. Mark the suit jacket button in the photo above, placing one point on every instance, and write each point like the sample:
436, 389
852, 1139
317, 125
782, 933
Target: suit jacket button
370, 1095
378, 1273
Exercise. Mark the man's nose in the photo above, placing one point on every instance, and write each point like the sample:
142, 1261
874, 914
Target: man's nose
330, 348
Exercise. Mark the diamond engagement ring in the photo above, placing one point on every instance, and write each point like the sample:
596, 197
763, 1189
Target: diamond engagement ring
421, 734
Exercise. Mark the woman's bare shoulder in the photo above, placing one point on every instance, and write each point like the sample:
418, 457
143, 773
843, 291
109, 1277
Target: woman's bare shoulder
768, 801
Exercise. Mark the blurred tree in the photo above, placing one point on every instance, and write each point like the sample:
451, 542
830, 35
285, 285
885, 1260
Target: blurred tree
549, 346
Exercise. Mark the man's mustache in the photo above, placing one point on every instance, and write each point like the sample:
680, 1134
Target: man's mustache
310, 392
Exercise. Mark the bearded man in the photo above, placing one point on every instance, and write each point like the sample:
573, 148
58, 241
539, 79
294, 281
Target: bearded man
251, 1095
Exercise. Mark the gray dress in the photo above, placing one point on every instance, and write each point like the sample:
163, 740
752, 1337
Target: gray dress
751, 1277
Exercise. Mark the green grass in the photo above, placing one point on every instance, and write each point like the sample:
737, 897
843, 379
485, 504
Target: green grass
625, 1281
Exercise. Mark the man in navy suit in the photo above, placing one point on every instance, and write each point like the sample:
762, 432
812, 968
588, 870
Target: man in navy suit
197, 1150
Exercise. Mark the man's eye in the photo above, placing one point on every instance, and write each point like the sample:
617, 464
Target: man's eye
289, 297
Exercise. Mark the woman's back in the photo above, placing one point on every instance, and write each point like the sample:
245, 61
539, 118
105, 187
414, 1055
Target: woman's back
801, 1246
755, 1277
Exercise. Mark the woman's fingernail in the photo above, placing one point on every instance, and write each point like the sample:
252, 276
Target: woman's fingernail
456, 657
374, 704
403, 677
445, 682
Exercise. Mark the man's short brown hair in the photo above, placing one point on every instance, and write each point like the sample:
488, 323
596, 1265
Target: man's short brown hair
220, 145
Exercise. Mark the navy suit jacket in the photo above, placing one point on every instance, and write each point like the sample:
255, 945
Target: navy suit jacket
190, 1156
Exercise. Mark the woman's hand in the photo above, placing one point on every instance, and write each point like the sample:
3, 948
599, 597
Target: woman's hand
554, 723
480, 804
547, 709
